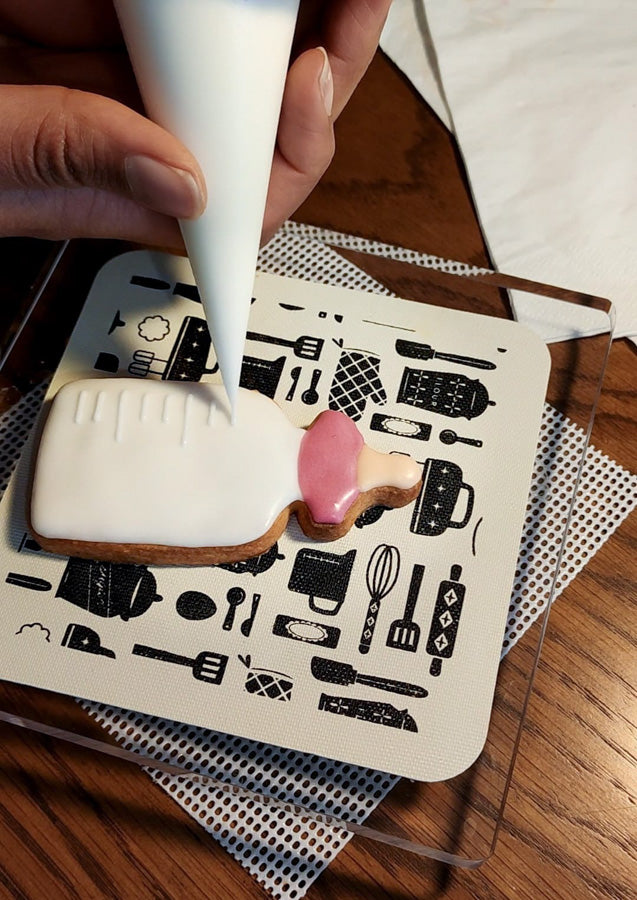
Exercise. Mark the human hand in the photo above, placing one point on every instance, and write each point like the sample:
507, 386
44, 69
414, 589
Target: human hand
79, 159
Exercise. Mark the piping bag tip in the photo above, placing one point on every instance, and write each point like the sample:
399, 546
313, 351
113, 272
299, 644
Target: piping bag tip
231, 384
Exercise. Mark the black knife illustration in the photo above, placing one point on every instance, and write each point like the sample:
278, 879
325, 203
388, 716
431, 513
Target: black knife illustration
246, 625
368, 711
342, 673
413, 350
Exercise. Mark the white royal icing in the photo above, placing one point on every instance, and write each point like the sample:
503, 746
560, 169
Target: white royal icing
130, 461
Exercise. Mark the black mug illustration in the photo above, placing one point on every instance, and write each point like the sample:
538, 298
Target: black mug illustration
107, 362
261, 375
80, 637
436, 503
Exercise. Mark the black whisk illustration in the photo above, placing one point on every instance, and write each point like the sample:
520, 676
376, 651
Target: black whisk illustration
382, 572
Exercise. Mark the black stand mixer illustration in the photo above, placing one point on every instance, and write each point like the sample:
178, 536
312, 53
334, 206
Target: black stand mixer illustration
188, 358
188, 361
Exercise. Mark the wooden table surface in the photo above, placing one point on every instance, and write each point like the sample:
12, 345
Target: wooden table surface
73, 824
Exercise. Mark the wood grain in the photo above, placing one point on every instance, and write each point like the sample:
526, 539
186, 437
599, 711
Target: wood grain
75, 825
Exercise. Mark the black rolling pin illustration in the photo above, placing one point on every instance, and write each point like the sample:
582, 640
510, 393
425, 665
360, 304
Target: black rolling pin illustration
445, 619
382, 571
342, 673
206, 666
414, 350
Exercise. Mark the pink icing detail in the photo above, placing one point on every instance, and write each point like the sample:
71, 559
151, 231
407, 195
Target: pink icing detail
328, 461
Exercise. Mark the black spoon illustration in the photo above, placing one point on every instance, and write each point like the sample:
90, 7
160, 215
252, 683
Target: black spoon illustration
450, 437
311, 395
235, 597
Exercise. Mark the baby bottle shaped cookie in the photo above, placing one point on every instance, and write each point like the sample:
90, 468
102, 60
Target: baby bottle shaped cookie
155, 472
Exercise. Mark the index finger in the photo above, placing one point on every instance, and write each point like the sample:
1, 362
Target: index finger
349, 30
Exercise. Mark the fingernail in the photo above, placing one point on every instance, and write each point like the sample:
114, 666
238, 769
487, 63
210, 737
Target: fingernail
164, 188
326, 83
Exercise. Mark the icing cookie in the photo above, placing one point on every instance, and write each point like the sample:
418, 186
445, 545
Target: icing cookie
154, 472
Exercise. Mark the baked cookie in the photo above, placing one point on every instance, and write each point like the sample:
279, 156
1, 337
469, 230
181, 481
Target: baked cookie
153, 472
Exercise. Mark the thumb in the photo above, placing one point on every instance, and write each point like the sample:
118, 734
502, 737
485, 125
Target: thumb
74, 164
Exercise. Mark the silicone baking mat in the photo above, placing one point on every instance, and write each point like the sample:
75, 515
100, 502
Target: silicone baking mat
380, 649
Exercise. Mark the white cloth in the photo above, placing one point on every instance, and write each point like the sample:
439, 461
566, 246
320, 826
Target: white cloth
543, 100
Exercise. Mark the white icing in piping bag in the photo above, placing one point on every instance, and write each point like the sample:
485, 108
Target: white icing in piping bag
212, 72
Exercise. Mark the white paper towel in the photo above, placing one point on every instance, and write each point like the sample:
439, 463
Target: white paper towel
543, 101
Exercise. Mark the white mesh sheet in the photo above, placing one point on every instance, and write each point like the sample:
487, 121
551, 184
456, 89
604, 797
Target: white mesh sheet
285, 853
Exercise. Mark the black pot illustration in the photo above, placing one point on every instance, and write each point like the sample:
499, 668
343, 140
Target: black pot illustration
108, 589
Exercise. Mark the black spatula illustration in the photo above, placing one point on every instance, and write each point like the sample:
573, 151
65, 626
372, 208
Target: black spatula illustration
404, 633
206, 666
304, 347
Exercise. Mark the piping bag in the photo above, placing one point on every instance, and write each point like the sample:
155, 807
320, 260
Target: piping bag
212, 72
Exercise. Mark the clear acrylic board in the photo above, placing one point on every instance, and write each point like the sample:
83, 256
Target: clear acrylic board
378, 655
